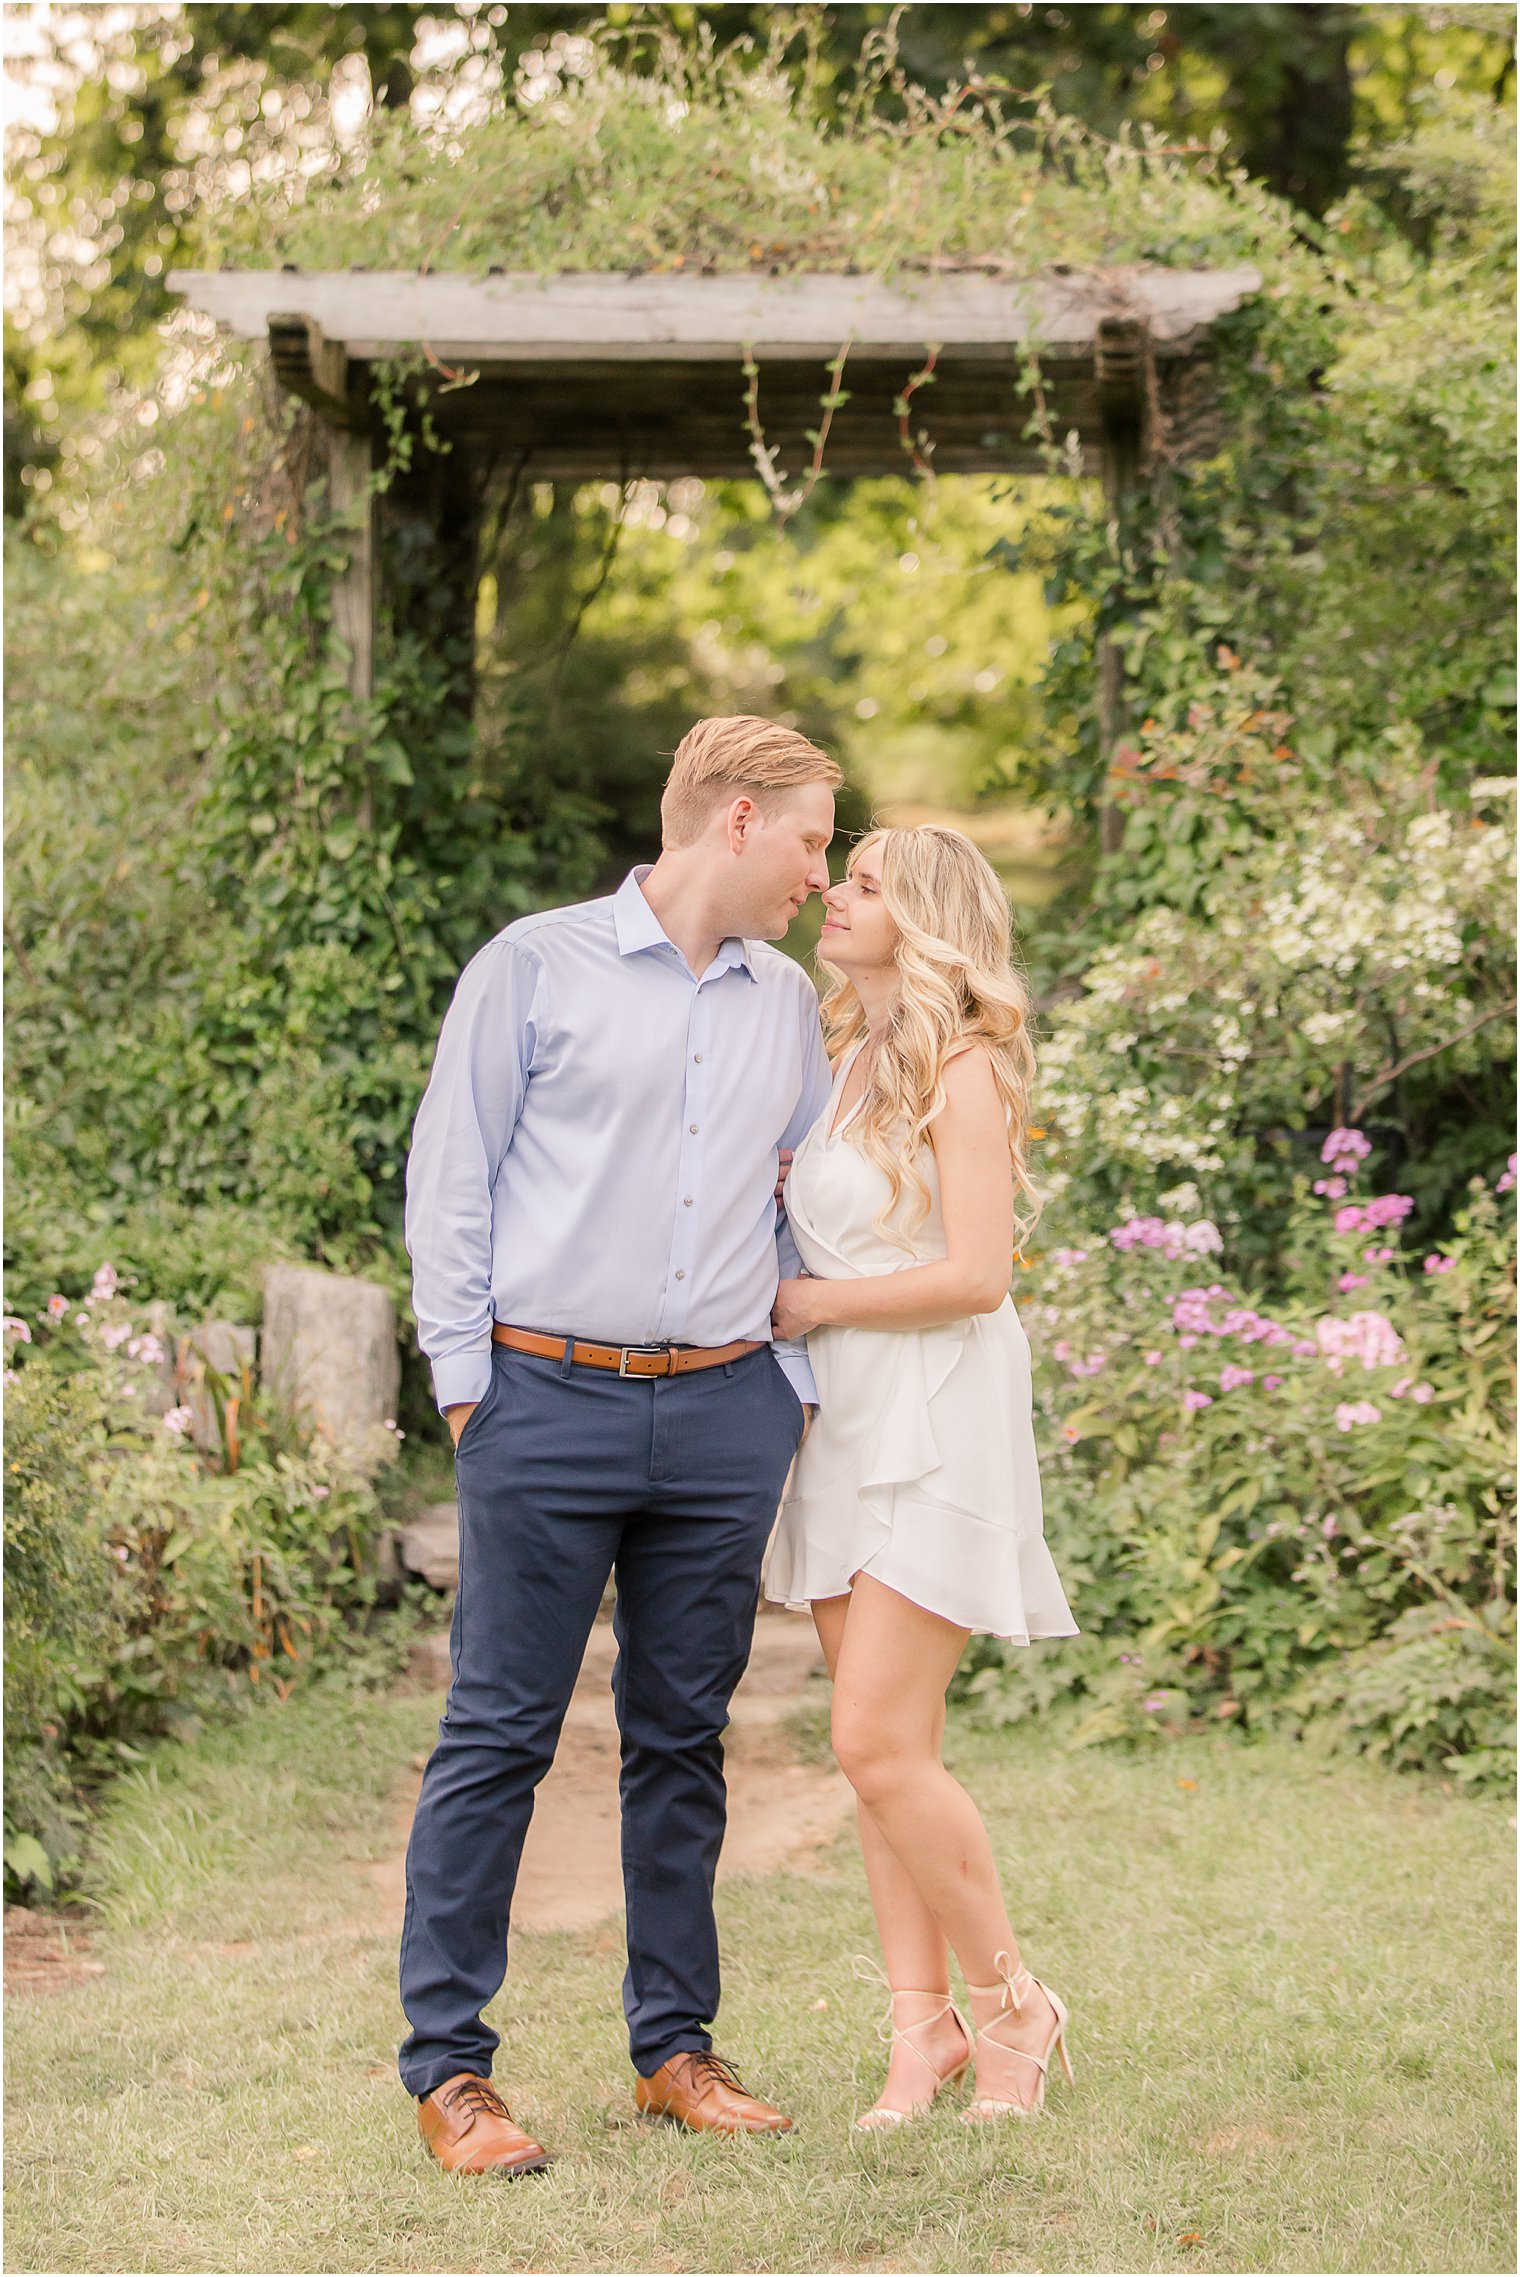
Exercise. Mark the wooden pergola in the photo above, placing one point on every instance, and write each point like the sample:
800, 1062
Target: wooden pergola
587, 378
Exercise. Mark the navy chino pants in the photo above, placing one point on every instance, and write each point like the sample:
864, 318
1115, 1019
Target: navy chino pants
566, 1475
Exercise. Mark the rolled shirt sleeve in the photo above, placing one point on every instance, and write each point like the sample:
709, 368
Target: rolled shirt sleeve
463, 1129
811, 1102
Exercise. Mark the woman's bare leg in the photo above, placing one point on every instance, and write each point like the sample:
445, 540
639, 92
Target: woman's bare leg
915, 1955
891, 1668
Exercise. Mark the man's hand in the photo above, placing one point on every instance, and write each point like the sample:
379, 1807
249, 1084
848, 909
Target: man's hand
459, 1415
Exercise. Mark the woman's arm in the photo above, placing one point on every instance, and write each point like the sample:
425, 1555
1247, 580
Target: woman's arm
970, 1140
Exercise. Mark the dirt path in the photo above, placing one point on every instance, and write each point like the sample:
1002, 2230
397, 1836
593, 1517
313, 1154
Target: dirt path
780, 1811
44, 1952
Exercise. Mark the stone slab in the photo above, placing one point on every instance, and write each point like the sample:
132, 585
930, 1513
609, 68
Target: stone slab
330, 1354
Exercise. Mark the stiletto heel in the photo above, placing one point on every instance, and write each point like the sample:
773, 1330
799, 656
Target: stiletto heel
1013, 1988
890, 2031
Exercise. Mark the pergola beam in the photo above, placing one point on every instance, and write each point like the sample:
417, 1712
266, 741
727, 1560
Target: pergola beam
503, 319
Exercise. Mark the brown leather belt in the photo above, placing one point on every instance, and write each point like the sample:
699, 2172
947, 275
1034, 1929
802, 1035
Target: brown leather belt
623, 1359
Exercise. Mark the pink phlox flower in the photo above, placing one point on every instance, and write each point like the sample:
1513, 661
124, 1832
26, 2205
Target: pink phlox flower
1343, 1149
115, 1333
320, 1493
1304, 1350
9, 1376
1352, 1219
1271, 1383
1069, 1257
1275, 1333
1187, 1342
57, 1307
147, 1349
1349, 1281
1135, 1231
1367, 1336
1091, 1365
1436, 1263
1152, 1359
1423, 1393
1506, 1178
1190, 1310
1378, 1256
1202, 1238
1061, 1349
1193, 1400
1330, 1529
103, 1287
1230, 1379
178, 1421
1351, 1412
1398, 1389
1331, 1188
1387, 1209
1154, 1704
13, 1325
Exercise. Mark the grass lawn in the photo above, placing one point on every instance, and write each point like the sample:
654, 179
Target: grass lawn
1291, 2021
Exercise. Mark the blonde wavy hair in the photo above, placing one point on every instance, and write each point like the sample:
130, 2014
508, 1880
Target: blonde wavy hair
961, 984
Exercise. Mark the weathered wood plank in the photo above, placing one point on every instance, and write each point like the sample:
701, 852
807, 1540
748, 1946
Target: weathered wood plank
542, 319
353, 593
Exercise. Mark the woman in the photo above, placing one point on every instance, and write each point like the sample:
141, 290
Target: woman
913, 1516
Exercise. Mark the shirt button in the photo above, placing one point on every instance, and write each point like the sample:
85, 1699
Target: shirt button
692, 1128
681, 1275
686, 1202
696, 1059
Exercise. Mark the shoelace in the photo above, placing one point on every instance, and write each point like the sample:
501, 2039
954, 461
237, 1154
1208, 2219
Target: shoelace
479, 2095
710, 2068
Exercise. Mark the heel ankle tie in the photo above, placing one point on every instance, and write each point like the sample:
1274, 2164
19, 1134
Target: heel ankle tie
890, 2032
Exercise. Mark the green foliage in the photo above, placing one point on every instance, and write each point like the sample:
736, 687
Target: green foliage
61, 1613
238, 898
721, 162
1284, 1515
1315, 942
148, 1586
1307, 920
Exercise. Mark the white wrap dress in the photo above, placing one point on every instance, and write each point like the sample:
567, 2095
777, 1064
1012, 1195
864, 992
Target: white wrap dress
920, 1467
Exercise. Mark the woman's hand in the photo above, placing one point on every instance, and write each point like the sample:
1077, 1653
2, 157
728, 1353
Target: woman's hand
798, 1308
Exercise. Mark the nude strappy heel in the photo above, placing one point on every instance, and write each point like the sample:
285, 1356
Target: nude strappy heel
890, 2031
1014, 1985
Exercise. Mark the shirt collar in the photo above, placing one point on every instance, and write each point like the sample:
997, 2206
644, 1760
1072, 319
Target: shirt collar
639, 928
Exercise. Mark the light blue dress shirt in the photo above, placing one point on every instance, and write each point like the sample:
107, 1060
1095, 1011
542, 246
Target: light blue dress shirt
596, 1150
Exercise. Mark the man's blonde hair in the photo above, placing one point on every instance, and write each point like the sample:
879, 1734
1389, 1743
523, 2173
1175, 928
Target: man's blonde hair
719, 760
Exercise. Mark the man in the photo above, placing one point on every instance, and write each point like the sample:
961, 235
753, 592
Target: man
596, 1245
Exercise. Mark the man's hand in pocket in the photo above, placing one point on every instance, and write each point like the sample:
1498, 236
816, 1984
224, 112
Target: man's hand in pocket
459, 1415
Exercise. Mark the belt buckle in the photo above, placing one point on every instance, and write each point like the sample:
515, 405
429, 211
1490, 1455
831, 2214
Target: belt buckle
628, 1352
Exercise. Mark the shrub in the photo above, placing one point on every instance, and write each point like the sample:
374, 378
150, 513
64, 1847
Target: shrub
150, 1585
1293, 1512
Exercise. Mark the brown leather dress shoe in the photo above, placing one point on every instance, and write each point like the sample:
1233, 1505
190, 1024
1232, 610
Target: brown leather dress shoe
698, 2089
469, 2130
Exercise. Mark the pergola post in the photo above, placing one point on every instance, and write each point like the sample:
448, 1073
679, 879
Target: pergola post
351, 467
1119, 356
